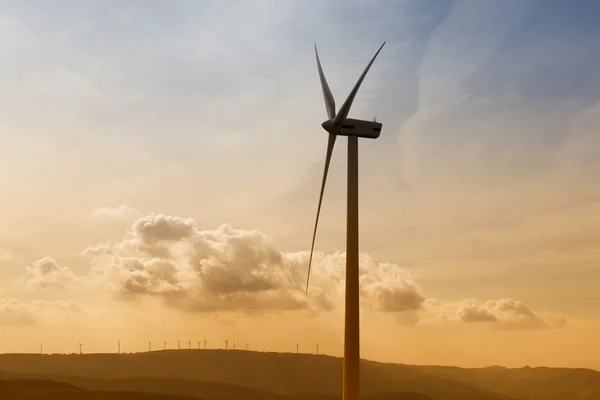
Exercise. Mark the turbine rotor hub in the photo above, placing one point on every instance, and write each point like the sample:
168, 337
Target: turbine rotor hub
328, 125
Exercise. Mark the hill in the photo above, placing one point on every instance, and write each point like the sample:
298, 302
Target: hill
296, 375
41, 389
233, 374
540, 383
123, 389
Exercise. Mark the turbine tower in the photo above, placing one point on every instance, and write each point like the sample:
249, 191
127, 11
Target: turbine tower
317, 349
80, 346
246, 346
233, 345
297, 346
164, 344
226, 341
204, 341
340, 124
42, 348
149, 346
178, 344
119, 347
189, 344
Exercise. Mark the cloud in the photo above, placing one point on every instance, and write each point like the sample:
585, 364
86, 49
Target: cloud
475, 313
501, 313
20, 313
14, 312
47, 273
230, 269
237, 269
114, 213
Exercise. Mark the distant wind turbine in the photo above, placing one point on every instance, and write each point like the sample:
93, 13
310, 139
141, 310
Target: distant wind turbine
119, 347
233, 345
297, 347
149, 346
317, 349
189, 344
178, 344
42, 348
80, 346
340, 124
164, 344
226, 341
204, 341
246, 346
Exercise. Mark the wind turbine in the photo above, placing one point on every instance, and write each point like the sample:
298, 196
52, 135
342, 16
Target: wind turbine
119, 347
80, 346
226, 341
42, 348
178, 344
204, 341
246, 346
149, 346
234, 345
340, 124
164, 344
317, 349
297, 346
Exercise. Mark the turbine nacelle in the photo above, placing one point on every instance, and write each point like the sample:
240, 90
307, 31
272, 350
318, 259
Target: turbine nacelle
354, 127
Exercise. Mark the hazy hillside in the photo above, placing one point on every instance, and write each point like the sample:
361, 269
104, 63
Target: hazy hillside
538, 383
278, 373
37, 389
119, 389
229, 375
208, 390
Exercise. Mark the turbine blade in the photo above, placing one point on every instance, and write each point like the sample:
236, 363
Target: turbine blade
329, 100
330, 144
345, 109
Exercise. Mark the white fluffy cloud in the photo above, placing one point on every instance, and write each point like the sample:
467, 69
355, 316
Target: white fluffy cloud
47, 273
237, 269
17, 312
111, 213
229, 269
502, 313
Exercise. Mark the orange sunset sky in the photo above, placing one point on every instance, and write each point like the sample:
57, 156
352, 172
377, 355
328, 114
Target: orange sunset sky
160, 164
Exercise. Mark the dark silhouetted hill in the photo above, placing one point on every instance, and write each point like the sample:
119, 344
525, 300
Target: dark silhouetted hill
203, 389
41, 389
278, 373
229, 375
539, 383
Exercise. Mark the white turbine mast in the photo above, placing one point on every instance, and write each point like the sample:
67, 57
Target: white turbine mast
340, 124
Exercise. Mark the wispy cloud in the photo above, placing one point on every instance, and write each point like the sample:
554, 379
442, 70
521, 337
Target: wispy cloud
114, 213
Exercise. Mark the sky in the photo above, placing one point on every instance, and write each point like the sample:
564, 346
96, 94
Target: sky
160, 164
